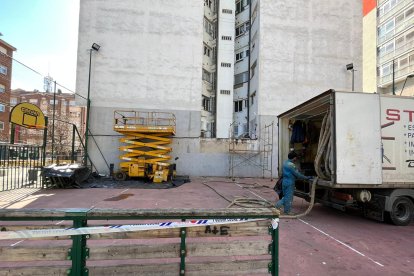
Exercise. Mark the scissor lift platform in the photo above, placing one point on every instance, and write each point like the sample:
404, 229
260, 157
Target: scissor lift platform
147, 136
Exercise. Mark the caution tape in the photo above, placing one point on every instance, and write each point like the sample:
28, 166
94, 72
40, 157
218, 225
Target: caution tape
42, 233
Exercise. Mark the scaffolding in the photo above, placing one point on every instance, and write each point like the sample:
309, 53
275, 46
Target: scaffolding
147, 136
257, 152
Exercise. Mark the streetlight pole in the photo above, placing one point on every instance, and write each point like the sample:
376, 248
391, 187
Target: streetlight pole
95, 47
350, 67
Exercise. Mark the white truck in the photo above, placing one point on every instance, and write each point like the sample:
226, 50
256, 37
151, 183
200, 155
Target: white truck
361, 148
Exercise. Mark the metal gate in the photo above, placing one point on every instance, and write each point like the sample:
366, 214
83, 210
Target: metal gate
20, 166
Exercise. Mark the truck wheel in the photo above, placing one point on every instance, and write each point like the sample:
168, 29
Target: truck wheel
402, 211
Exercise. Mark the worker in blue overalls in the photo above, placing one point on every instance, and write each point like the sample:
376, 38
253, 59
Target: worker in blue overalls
290, 174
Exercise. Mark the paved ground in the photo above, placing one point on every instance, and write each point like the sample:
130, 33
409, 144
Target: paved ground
326, 242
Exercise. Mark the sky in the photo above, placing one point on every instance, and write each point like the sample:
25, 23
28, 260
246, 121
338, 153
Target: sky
45, 33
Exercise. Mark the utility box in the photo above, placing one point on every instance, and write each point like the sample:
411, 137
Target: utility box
360, 144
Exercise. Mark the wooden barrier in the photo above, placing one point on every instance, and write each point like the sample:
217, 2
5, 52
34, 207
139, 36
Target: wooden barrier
247, 248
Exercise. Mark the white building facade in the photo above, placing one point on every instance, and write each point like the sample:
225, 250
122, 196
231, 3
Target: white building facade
224, 68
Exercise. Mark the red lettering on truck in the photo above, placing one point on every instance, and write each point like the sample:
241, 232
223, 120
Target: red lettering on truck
410, 114
393, 114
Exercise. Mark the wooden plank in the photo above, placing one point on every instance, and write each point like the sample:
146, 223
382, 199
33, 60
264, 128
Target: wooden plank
138, 251
256, 228
234, 248
171, 250
227, 267
148, 270
43, 252
38, 271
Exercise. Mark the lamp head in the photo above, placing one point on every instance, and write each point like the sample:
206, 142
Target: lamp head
350, 66
96, 47
410, 76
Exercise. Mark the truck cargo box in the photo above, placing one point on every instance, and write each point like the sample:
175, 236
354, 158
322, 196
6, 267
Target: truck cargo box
352, 140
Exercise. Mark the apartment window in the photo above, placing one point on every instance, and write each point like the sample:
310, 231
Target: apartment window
72, 103
387, 7
386, 28
206, 75
241, 78
225, 64
409, 36
1, 125
238, 106
227, 11
207, 50
2, 88
56, 101
13, 101
252, 96
65, 103
242, 29
33, 101
209, 27
404, 62
3, 50
225, 92
226, 37
239, 7
214, 53
239, 56
2, 107
253, 68
3, 70
213, 104
206, 103
207, 3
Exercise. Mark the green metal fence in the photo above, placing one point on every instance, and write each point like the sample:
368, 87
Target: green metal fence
20, 166
79, 251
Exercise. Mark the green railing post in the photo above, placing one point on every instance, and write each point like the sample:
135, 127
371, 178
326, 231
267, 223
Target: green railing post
183, 249
274, 247
79, 252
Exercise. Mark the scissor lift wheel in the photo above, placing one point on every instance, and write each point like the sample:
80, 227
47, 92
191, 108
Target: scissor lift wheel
120, 176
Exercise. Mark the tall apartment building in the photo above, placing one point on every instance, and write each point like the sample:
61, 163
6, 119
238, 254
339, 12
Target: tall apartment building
65, 110
6, 52
388, 57
222, 67
228, 105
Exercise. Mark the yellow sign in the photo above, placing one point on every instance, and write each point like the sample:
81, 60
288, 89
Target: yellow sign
27, 115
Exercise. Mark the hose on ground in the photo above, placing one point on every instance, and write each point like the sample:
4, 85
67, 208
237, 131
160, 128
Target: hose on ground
311, 203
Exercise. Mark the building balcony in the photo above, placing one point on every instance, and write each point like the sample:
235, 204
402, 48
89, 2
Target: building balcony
399, 51
398, 29
393, 11
399, 75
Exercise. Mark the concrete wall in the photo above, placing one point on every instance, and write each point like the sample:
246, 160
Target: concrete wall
304, 47
150, 56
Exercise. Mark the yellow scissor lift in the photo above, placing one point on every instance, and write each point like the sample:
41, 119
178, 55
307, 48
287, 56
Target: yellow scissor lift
147, 136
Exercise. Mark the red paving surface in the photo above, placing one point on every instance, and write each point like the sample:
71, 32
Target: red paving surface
326, 242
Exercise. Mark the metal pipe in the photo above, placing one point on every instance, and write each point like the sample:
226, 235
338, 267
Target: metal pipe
88, 107
393, 77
